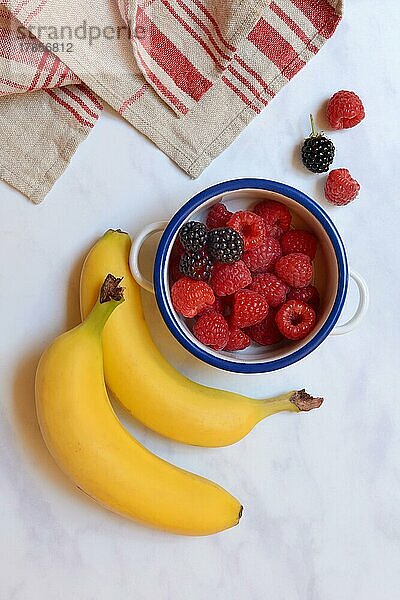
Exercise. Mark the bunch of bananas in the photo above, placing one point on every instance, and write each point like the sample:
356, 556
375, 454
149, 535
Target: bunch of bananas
86, 438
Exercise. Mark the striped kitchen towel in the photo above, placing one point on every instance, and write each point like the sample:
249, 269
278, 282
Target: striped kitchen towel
189, 74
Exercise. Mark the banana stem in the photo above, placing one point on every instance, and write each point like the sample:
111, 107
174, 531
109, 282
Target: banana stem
294, 401
111, 295
304, 401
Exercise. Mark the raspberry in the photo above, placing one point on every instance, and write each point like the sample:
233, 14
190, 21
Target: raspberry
196, 266
265, 333
250, 226
273, 289
227, 279
225, 245
308, 294
218, 216
238, 340
317, 152
173, 269
217, 306
295, 319
177, 248
248, 308
299, 241
276, 217
226, 309
344, 110
295, 269
173, 266
340, 187
212, 330
189, 296
193, 236
264, 257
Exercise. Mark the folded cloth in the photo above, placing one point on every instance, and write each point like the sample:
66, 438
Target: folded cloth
189, 74
183, 47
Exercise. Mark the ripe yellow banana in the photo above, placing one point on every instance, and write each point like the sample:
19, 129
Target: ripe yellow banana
147, 385
90, 445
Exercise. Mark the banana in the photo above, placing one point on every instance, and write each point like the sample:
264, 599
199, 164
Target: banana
147, 385
90, 445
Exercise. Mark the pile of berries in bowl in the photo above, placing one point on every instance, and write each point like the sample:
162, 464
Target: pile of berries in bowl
245, 278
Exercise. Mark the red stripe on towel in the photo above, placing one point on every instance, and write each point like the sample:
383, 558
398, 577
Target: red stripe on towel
167, 93
193, 34
273, 45
243, 98
256, 75
56, 63
214, 22
293, 26
202, 26
39, 71
136, 96
12, 84
19, 6
321, 14
248, 84
35, 12
79, 101
85, 90
171, 60
70, 109
63, 76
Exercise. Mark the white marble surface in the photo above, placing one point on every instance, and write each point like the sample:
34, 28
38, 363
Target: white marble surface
321, 491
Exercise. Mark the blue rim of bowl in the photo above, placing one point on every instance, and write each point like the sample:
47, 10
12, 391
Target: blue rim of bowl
161, 259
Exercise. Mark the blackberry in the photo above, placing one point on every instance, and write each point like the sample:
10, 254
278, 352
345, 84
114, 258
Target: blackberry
225, 245
193, 236
317, 152
196, 266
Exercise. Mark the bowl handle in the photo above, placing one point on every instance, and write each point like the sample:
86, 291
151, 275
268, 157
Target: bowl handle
361, 308
135, 251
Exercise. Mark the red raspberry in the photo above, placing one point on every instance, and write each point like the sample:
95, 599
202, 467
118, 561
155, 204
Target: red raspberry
190, 296
295, 319
248, 308
271, 287
295, 269
250, 226
344, 110
173, 269
297, 240
216, 307
238, 340
308, 294
276, 217
218, 216
212, 330
177, 248
226, 279
340, 187
264, 257
176, 253
266, 332
226, 302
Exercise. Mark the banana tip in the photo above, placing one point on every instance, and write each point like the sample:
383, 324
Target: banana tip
116, 231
